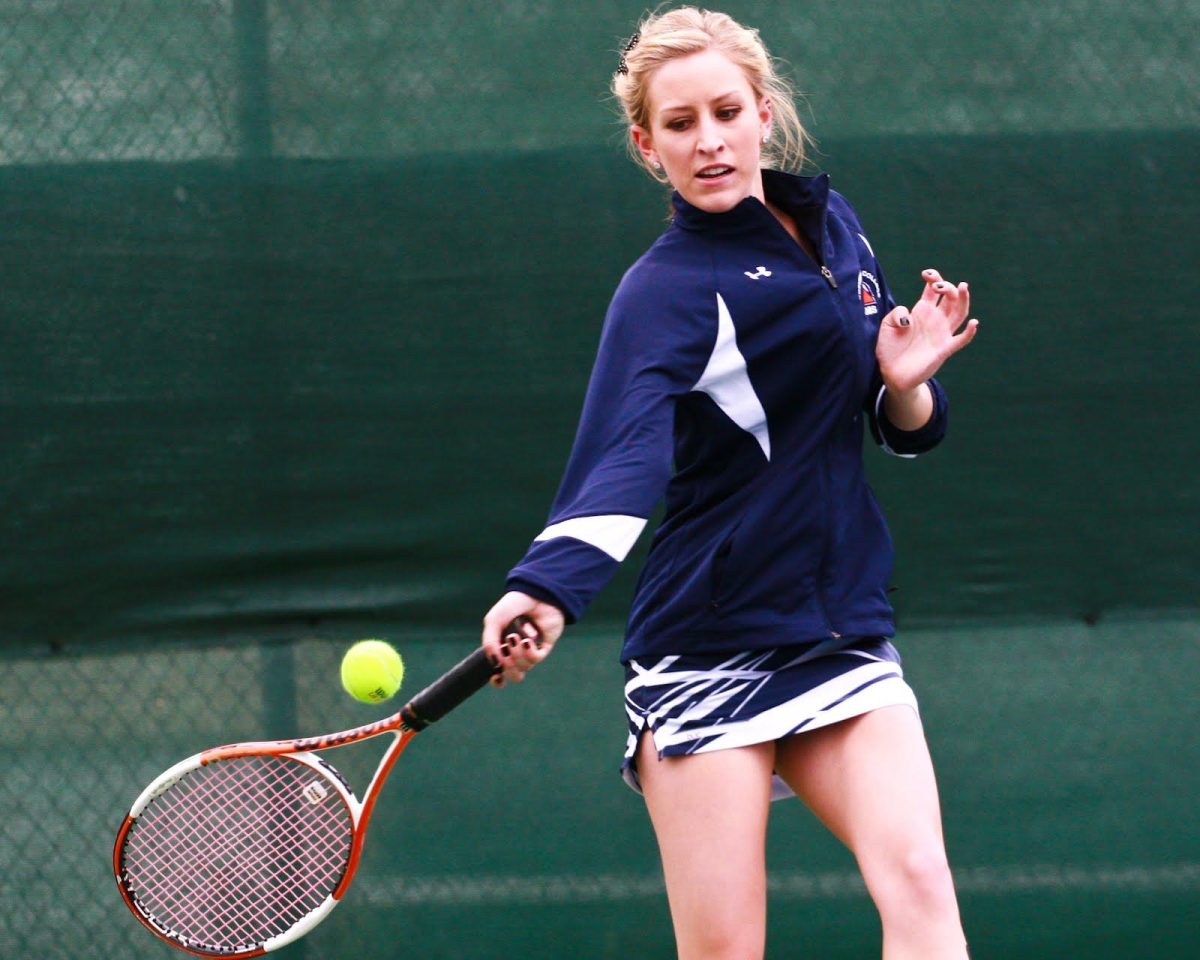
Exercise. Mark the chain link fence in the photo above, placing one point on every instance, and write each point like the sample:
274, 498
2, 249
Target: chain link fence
77, 736
188, 79
1060, 771
82, 733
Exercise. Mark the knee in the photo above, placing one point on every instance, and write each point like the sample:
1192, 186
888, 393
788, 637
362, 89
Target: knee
927, 871
916, 876
725, 942
722, 932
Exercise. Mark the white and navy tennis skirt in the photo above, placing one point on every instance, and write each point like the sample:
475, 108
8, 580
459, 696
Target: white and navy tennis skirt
694, 704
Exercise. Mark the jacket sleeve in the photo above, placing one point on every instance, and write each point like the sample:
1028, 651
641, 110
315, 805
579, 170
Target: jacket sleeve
893, 440
651, 352
906, 443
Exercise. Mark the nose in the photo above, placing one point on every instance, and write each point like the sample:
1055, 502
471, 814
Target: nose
710, 139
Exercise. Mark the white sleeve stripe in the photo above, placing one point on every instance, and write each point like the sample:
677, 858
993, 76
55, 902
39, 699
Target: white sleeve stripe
615, 534
879, 420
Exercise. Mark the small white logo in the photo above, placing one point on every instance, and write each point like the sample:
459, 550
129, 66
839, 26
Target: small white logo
868, 290
315, 792
759, 273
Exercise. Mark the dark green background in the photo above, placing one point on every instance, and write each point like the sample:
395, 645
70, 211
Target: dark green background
299, 303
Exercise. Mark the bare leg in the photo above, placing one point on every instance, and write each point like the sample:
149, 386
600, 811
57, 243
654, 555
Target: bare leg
709, 812
870, 780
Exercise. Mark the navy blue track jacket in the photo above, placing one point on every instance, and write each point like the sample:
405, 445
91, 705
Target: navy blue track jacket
734, 374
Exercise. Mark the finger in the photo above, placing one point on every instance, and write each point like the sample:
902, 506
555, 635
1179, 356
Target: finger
490, 641
508, 614
899, 317
509, 675
527, 654
500, 664
493, 642
946, 291
934, 291
521, 636
520, 629
521, 649
512, 634
511, 669
931, 277
962, 306
961, 340
946, 299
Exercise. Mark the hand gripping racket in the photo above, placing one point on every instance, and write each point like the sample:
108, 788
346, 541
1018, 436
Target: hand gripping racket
241, 849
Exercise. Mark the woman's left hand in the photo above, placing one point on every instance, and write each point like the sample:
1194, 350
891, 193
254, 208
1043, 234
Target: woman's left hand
913, 344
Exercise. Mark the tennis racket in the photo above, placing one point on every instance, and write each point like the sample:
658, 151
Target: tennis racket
241, 849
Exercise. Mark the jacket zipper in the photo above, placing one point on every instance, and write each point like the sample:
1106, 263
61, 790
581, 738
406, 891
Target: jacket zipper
822, 568
825, 471
819, 257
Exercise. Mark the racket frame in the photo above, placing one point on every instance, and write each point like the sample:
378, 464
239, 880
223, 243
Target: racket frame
428, 706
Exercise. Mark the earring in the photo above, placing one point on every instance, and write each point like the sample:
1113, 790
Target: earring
766, 136
657, 164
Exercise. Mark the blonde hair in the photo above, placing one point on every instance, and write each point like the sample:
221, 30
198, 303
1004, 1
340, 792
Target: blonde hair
662, 37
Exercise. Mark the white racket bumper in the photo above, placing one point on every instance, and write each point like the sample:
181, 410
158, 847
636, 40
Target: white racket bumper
302, 926
164, 782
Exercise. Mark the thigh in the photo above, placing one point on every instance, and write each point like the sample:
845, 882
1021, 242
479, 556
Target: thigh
709, 812
869, 779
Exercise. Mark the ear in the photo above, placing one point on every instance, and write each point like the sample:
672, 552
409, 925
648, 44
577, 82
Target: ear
644, 143
765, 113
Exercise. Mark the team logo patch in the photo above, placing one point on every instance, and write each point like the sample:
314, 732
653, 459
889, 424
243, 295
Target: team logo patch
868, 290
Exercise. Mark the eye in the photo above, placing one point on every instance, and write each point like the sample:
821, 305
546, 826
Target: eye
728, 113
680, 123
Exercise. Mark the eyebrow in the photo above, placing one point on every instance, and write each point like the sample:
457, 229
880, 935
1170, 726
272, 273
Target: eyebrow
687, 106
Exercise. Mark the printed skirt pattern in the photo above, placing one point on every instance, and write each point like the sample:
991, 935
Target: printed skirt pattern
694, 704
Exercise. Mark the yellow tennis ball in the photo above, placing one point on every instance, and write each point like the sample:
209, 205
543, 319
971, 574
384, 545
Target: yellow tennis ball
372, 671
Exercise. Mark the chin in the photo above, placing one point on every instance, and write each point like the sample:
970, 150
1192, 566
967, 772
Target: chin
716, 200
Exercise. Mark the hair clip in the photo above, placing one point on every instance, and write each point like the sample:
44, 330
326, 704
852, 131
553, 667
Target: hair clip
622, 66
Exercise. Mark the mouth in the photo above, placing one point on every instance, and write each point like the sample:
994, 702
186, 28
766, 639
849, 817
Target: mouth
715, 172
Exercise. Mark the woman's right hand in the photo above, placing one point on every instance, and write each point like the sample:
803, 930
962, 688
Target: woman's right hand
518, 654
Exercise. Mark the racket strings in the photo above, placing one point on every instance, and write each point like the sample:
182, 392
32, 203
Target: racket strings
238, 851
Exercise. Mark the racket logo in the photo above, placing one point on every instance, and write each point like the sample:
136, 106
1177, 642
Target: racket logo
315, 793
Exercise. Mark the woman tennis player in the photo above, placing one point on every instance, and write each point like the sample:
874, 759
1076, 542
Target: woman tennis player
741, 358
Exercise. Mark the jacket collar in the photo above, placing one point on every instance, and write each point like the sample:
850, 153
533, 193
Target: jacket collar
791, 192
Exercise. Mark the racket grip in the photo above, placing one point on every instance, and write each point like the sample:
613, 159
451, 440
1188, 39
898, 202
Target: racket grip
454, 686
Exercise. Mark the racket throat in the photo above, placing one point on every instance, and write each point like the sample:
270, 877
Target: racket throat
402, 737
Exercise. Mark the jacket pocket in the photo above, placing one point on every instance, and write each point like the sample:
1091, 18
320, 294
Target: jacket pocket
720, 570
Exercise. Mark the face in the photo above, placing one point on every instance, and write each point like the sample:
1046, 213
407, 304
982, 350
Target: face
706, 129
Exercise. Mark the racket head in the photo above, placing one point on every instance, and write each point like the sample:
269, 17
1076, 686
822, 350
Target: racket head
237, 856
